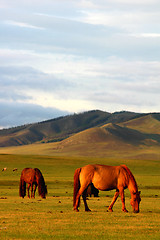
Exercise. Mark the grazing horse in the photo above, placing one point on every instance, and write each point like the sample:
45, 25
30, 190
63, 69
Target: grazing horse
91, 190
106, 178
15, 169
34, 178
4, 169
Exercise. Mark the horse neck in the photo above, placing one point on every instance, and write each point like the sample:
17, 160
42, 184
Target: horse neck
132, 185
38, 174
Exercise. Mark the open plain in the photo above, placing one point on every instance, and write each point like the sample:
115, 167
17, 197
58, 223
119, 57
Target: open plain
133, 141
54, 218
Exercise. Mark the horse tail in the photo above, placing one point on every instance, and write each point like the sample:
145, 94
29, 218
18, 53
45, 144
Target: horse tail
131, 177
76, 185
42, 188
22, 187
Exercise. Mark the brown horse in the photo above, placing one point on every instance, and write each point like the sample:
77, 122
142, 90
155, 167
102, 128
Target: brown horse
34, 178
106, 178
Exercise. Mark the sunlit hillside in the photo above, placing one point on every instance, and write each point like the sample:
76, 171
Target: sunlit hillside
145, 124
134, 139
60, 128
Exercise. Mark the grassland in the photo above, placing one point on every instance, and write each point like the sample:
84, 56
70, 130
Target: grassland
54, 218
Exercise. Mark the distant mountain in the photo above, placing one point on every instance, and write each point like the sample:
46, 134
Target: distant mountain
129, 126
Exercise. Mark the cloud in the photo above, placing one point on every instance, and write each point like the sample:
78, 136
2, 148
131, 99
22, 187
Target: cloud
19, 78
79, 55
146, 35
22, 24
16, 114
87, 32
92, 84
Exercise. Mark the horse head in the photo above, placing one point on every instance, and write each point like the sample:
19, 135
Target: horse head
44, 192
135, 201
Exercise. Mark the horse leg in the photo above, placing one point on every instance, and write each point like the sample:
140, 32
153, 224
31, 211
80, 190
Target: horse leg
80, 192
85, 202
35, 186
114, 200
28, 190
31, 190
121, 191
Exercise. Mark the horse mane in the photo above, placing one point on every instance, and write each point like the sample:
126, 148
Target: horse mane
131, 177
42, 189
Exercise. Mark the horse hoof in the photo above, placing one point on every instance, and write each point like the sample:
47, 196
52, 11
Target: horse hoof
136, 211
75, 209
88, 210
124, 210
110, 210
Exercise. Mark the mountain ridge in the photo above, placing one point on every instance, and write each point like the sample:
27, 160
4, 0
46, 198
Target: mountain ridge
58, 129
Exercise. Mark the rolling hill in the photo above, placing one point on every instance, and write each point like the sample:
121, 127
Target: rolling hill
94, 129
147, 124
60, 128
95, 133
112, 134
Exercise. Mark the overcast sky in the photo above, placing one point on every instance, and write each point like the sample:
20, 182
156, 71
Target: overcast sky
70, 56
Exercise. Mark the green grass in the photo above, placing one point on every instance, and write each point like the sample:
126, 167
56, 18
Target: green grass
54, 218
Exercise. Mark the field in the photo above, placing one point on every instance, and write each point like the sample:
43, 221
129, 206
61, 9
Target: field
54, 218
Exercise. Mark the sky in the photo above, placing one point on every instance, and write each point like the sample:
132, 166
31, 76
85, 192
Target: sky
70, 56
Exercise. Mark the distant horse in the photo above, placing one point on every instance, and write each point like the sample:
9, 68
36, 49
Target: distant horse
106, 178
15, 169
91, 190
34, 178
4, 169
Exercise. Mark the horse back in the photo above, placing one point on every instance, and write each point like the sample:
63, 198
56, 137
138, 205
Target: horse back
28, 175
103, 177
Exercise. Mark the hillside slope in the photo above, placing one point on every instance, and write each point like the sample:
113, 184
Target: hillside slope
132, 139
60, 128
146, 124
110, 134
